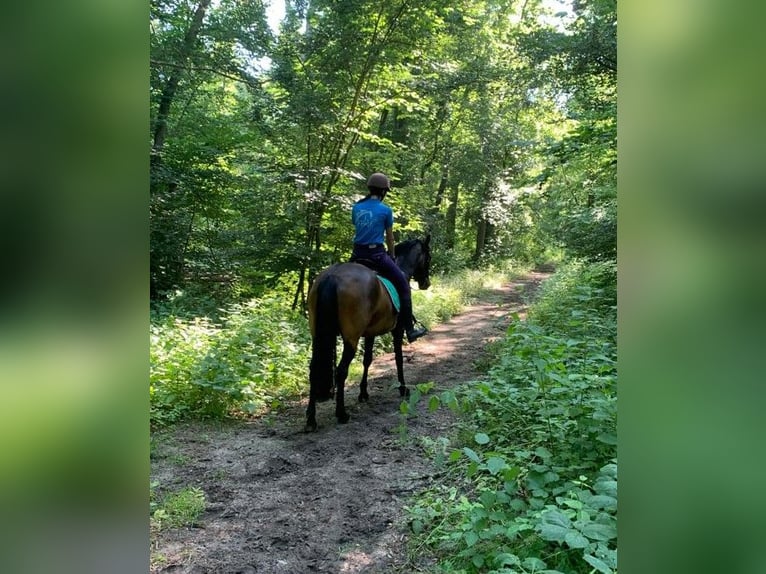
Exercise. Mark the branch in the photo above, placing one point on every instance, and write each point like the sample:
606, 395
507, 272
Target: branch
241, 78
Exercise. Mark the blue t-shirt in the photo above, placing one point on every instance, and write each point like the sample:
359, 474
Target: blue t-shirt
371, 219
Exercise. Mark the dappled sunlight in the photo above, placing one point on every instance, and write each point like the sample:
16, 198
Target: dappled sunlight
355, 561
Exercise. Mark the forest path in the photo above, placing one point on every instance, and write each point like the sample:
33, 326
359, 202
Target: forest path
281, 501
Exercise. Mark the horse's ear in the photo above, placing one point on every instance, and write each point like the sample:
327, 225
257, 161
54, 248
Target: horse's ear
427, 240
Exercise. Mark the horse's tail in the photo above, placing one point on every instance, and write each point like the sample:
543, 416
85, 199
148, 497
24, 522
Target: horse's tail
323, 345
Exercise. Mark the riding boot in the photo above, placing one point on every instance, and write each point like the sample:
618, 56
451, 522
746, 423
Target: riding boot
407, 320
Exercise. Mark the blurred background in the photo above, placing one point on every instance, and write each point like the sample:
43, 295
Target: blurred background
74, 305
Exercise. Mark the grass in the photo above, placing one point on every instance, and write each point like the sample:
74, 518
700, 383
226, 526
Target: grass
176, 509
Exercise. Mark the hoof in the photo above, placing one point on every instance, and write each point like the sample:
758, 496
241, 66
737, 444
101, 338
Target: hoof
364, 398
404, 392
310, 427
343, 419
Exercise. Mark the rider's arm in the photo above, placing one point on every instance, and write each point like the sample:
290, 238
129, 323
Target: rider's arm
390, 241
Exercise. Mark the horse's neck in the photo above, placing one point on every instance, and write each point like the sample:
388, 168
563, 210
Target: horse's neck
406, 265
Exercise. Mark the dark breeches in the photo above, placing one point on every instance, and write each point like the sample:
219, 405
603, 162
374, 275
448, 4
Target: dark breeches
379, 260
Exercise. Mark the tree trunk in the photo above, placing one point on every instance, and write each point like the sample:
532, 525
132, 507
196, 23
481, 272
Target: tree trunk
166, 259
481, 237
451, 218
442, 185
171, 86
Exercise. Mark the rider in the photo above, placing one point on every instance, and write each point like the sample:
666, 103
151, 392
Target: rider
372, 218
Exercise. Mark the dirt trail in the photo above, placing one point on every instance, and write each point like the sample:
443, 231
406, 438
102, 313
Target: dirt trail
281, 501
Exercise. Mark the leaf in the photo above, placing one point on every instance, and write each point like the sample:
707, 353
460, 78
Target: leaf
606, 486
425, 388
433, 403
534, 564
599, 565
610, 470
607, 438
470, 453
553, 532
481, 438
478, 560
487, 498
574, 539
495, 464
596, 531
543, 453
535, 480
417, 526
558, 378
555, 516
603, 501
511, 473
404, 407
471, 538
505, 559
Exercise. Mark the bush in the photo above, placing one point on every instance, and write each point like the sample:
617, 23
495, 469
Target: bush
537, 453
256, 357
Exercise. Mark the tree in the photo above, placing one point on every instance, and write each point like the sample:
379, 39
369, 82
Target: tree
197, 51
498, 131
348, 64
581, 177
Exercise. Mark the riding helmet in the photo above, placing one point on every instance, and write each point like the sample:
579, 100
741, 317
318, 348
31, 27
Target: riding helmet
379, 181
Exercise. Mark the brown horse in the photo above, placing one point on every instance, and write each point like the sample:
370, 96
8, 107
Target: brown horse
347, 299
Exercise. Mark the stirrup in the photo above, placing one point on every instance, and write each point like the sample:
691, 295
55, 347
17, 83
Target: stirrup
415, 334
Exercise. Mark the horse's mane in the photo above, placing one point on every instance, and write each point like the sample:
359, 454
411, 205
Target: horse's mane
406, 244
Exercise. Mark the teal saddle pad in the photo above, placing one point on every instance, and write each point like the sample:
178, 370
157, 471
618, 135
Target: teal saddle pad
392, 292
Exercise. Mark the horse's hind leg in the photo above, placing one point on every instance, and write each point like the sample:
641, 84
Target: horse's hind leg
368, 346
340, 378
311, 415
398, 335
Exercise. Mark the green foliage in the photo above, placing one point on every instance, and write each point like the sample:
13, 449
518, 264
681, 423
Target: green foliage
537, 467
176, 509
449, 294
255, 358
254, 175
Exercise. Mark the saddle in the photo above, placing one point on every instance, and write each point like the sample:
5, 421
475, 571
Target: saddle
390, 288
392, 292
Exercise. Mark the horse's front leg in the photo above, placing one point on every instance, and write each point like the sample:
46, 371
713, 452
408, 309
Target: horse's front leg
398, 335
340, 378
368, 346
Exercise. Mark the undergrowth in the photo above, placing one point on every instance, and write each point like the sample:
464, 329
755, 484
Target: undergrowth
254, 358
533, 469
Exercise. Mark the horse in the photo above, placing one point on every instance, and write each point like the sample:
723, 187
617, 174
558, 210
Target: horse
347, 299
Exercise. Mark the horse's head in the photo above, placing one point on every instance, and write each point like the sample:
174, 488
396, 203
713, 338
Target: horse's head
414, 258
